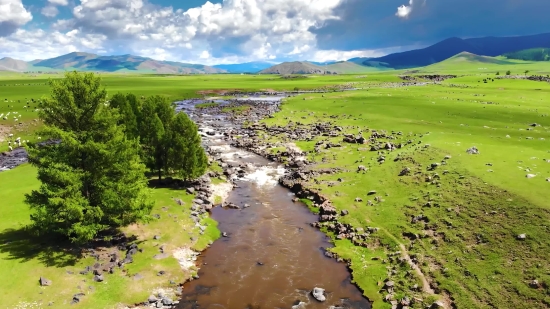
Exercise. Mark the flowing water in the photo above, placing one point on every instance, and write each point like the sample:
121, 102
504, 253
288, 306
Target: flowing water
271, 257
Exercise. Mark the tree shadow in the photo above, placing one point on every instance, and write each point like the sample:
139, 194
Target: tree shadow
56, 251
22, 245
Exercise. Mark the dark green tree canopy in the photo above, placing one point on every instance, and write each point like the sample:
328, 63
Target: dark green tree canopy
93, 179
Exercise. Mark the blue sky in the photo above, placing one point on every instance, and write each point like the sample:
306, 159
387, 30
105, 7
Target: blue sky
231, 31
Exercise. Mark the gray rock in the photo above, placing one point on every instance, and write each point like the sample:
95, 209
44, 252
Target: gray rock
167, 301
344, 212
98, 278
472, 150
521, 237
45, 282
319, 294
152, 299
534, 284
529, 176
300, 305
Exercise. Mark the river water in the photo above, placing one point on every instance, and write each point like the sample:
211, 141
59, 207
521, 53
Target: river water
271, 257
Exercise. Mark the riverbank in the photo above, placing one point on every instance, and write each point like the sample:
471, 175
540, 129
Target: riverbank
399, 202
124, 269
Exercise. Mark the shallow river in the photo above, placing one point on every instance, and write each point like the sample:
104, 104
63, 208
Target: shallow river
272, 257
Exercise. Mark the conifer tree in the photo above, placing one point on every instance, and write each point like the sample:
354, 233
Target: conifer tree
93, 179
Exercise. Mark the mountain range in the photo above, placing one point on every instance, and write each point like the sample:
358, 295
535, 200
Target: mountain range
486, 46
93, 62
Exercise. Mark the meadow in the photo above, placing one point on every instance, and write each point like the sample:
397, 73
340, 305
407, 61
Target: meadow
476, 209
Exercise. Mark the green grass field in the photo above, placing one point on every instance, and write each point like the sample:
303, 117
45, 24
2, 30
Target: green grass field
476, 209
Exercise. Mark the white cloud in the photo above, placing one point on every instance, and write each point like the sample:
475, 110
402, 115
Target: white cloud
12, 16
229, 32
49, 11
59, 2
404, 11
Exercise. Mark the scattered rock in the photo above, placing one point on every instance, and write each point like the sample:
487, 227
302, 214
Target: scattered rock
300, 305
521, 237
152, 299
319, 294
224, 234
98, 278
45, 282
529, 176
344, 212
472, 150
534, 284
156, 237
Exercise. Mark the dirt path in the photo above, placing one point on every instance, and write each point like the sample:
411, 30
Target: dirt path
426, 288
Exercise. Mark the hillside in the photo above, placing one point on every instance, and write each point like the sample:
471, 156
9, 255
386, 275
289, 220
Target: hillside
347, 67
10, 64
296, 67
93, 62
488, 46
247, 67
533, 54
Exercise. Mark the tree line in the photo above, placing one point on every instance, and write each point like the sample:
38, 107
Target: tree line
95, 177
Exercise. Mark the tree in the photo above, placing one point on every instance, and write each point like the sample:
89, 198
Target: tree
498, 73
526, 71
128, 115
187, 157
156, 115
93, 179
508, 72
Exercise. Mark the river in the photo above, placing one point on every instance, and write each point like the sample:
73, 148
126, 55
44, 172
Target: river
271, 257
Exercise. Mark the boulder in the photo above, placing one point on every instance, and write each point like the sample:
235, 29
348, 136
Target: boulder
152, 299
521, 237
98, 278
319, 294
472, 150
45, 282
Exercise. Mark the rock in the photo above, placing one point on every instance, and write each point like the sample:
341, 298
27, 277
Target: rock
405, 171
529, 176
405, 301
300, 305
447, 157
224, 234
77, 298
167, 301
534, 284
344, 212
437, 305
190, 190
472, 150
389, 284
521, 237
160, 256
319, 294
156, 237
152, 299
45, 282
361, 168
372, 192
98, 278
358, 199
548, 179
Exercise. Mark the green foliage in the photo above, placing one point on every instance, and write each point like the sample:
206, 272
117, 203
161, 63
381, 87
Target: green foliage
533, 54
128, 114
170, 141
207, 105
508, 72
93, 180
498, 73
187, 157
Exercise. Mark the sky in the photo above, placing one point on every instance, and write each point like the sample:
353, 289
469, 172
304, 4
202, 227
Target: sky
236, 31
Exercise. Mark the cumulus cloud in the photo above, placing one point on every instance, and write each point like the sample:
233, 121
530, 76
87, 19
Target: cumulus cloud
59, 2
49, 11
234, 28
12, 16
405, 10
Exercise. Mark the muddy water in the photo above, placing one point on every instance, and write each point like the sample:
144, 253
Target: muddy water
272, 257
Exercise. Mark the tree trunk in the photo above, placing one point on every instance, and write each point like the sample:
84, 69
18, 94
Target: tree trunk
160, 174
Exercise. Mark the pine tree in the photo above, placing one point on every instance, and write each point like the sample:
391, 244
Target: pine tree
128, 116
187, 156
93, 179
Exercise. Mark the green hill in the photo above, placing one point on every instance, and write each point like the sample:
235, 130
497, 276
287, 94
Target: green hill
347, 67
533, 54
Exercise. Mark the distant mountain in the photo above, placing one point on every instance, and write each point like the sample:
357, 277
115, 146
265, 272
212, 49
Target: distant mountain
296, 67
358, 60
347, 67
121, 63
533, 54
488, 46
305, 67
248, 67
323, 63
10, 64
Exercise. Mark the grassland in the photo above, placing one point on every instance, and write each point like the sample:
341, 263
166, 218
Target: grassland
476, 208
24, 259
